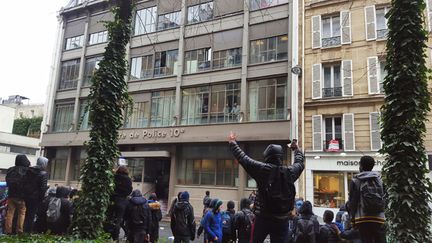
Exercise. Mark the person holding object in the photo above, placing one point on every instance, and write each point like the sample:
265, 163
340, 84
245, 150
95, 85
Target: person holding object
276, 190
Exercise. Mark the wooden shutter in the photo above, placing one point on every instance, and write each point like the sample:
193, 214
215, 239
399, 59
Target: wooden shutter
429, 13
372, 66
316, 81
345, 18
347, 81
375, 136
316, 31
370, 22
317, 140
348, 132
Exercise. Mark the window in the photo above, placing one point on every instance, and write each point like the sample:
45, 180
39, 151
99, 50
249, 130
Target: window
375, 131
142, 67
136, 166
268, 99
383, 74
381, 23
227, 58
260, 4
139, 117
333, 133
63, 117
331, 31
197, 60
168, 21
145, 21
84, 116
162, 108
376, 22
224, 102
376, 74
22, 150
69, 74
332, 80
92, 64
79, 156
165, 63
99, 37
74, 42
329, 189
269, 49
58, 165
201, 12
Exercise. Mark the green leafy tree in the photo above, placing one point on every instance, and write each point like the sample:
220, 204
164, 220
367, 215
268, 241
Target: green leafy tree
403, 125
108, 97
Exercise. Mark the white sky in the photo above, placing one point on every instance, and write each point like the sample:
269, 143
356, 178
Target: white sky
28, 32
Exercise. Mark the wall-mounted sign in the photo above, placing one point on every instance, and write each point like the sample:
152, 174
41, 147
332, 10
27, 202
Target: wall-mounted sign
357, 163
152, 134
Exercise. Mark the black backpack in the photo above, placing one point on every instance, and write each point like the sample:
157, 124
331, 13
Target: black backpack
249, 219
226, 223
138, 215
16, 180
305, 231
372, 196
280, 191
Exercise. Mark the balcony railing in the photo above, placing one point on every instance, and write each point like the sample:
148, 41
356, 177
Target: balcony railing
332, 92
331, 41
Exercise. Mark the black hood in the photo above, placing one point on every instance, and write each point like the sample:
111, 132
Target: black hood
245, 203
62, 192
138, 200
22, 160
181, 205
273, 154
306, 209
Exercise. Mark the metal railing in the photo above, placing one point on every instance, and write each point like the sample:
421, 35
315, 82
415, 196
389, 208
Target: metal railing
332, 92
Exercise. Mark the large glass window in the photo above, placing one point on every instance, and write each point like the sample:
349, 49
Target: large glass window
136, 166
259, 4
63, 117
99, 37
162, 108
333, 132
201, 12
139, 117
227, 58
331, 34
332, 80
69, 74
165, 63
141, 67
74, 42
168, 21
58, 165
268, 99
145, 21
84, 116
92, 64
211, 104
197, 60
269, 49
329, 189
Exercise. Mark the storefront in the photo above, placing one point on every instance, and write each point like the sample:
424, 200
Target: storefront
328, 177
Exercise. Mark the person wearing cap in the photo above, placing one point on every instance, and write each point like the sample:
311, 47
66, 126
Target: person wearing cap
276, 190
213, 223
182, 220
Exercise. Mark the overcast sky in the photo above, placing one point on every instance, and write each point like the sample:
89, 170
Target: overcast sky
28, 32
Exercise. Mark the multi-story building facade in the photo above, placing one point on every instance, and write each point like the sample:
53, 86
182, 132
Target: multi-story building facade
344, 59
198, 69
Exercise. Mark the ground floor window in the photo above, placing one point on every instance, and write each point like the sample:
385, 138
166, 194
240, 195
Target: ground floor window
58, 161
329, 189
79, 156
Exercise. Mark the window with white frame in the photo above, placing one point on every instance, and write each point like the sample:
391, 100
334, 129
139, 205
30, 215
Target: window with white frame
269, 49
227, 58
63, 117
376, 22
92, 64
201, 12
162, 108
145, 21
260, 4
74, 42
165, 63
141, 67
99, 37
168, 21
375, 131
332, 80
333, 133
381, 22
197, 60
376, 74
69, 74
331, 33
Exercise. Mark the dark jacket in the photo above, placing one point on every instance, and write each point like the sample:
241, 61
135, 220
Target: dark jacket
329, 233
354, 206
21, 166
38, 180
61, 226
306, 213
241, 221
182, 220
123, 185
260, 171
138, 200
156, 216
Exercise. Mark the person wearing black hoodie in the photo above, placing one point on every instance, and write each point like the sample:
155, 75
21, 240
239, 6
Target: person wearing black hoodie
122, 189
60, 227
15, 179
183, 220
156, 216
228, 232
138, 218
243, 221
305, 233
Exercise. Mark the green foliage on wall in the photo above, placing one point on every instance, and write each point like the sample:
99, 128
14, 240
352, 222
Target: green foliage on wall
24, 126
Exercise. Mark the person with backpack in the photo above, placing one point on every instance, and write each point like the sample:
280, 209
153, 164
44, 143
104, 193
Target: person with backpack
138, 218
35, 191
156, 216
59, 212
16, 179
228, 233
40, 225
243, 221
183, 220
366, 203
200, 229
306, 225
276, 190
213, 223
329, 232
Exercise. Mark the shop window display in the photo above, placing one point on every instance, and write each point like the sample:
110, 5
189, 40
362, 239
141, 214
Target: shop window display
329, 189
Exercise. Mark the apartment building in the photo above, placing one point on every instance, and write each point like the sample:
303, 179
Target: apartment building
198, 70
344, 59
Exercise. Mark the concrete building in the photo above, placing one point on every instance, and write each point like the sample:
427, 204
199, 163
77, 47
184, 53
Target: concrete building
198, 69
344, 57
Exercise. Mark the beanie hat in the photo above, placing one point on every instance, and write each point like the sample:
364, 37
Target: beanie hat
217, 204
42, 162
184, 196
230, 205
273, 154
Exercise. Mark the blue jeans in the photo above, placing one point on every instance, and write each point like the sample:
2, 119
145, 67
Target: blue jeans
278, 230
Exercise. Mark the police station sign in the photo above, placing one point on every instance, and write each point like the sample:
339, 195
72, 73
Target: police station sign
152, 134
